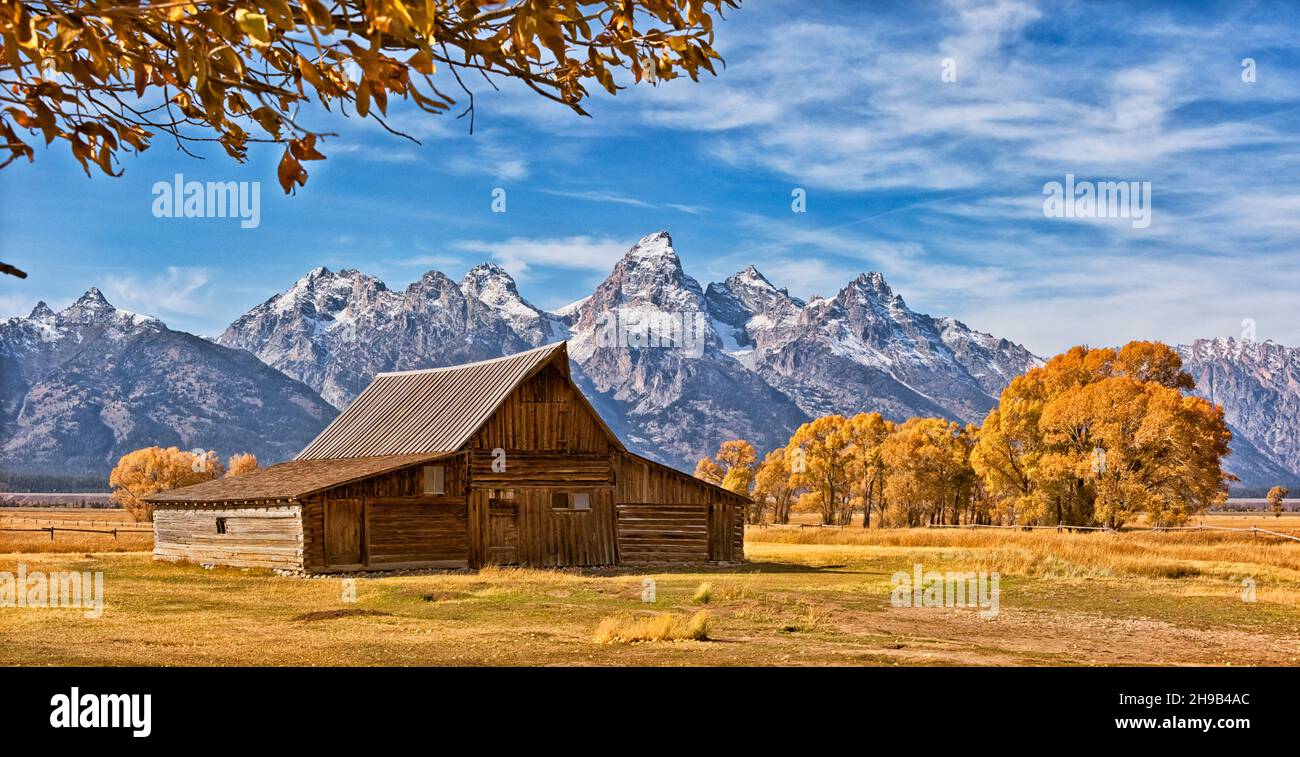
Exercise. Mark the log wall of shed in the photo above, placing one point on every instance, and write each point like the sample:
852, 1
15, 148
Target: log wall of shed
666, 516
255, 535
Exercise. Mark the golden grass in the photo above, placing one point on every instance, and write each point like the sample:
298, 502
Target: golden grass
661, 626
1230, 556
805, 597
92, 519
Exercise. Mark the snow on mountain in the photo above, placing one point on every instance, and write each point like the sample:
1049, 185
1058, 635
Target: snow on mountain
1258, 385
81, 387
676, 367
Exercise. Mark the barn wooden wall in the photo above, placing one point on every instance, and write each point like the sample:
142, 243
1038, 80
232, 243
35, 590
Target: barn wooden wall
543, 536
257, 536
666, 516
542, 414
402, 527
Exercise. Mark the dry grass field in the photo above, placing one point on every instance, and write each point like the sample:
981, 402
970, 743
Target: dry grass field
807, 596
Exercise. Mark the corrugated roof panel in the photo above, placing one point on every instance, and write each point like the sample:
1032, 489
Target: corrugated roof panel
435, 410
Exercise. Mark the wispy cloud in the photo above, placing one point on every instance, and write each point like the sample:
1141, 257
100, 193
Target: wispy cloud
518, 254
180, 290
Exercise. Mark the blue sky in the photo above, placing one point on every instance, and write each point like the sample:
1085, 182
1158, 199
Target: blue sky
938, 185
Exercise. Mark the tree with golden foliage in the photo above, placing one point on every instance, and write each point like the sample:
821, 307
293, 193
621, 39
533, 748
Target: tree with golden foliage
707, 470
151, 470
823, 446
929, 479
1099, 435
239, 464
774, 482
868, 432
738, 458
1276, 497
106, 76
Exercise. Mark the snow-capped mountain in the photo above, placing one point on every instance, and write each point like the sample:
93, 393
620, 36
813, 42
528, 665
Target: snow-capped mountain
1258, 385
676, 367
647, 349
83, 386
334, 331
829, 355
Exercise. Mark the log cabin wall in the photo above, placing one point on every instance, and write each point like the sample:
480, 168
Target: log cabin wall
666, 516
397, 524
246, 536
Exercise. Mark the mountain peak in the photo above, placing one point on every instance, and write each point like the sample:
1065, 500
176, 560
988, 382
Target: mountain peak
752, 275
92, 298
488, 270
41, 312
656, 246
490, 283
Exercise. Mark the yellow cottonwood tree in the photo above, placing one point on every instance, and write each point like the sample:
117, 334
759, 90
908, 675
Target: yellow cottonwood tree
707, 470
1099, 435
775, 482
1276, 497
823, 445
928, 477
154, 469
868, 432
240, 464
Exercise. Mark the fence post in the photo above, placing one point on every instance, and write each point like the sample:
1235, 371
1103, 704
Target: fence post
51, 533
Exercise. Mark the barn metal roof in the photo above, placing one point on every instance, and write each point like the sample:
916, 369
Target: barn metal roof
291, 480
435, 410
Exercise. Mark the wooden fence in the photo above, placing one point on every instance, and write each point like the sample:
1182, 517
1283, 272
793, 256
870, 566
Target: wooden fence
83, 527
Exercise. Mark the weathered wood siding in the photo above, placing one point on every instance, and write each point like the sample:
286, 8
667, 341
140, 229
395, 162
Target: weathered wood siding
400, 526
544, 536
256, 536
543, 414
666, 516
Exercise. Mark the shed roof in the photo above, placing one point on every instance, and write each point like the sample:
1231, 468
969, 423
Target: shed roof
291, 480
434, 410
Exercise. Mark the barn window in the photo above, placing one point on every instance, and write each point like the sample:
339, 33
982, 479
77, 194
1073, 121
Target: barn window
221, 525
434, 479
570, 501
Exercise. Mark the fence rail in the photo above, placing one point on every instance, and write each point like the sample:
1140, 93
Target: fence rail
75, 528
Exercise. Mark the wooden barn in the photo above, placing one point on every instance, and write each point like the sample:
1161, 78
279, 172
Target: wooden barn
502, 462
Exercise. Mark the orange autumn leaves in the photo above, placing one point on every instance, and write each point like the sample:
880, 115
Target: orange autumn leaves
151, 470
105, 77
1094, 437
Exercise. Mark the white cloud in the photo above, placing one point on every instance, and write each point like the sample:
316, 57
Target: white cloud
181, 290
518, 254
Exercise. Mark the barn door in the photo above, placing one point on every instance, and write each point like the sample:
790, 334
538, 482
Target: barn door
721, 524
343, 532
503, 532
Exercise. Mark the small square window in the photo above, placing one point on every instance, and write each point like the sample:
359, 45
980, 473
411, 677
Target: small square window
434, 479
221, 525
570, 501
